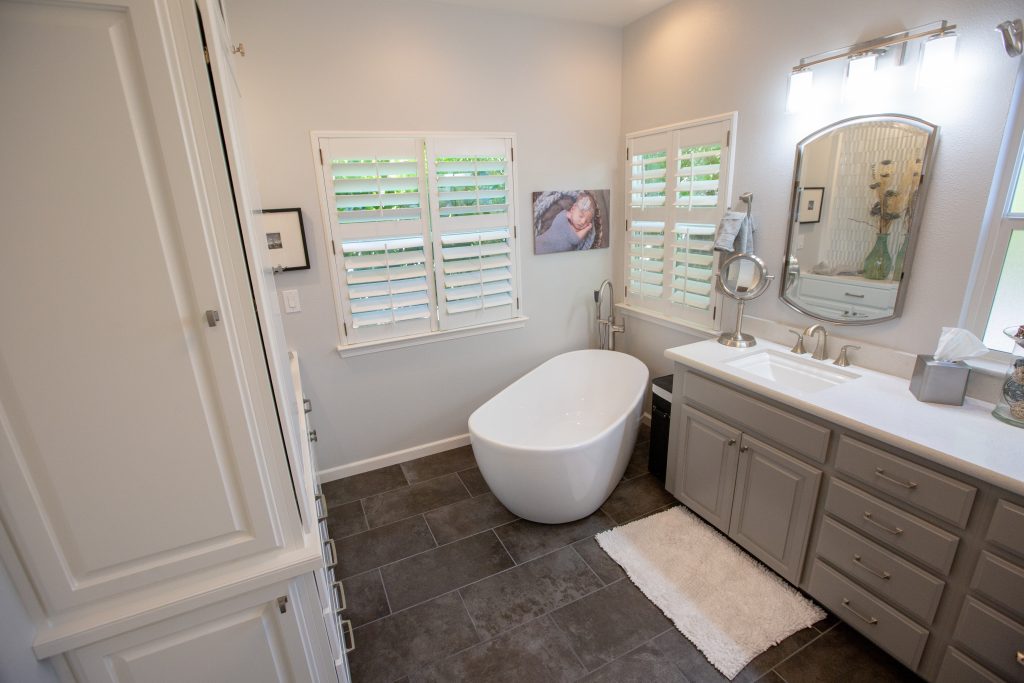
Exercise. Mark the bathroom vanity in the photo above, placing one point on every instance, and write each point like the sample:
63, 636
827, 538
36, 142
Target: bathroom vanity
905, 519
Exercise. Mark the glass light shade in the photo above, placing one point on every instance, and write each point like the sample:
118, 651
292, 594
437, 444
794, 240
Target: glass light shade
860, 75
937, 58
801, 86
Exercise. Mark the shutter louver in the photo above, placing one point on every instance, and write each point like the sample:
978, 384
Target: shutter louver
677, 180
376, 193
693, 265
472, 212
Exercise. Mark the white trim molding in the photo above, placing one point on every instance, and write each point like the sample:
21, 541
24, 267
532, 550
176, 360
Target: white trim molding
393, 458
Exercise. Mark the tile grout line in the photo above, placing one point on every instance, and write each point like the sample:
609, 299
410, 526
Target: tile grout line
798, 651
476, 629
626, 654
431, 531
471, 583
515, 562
592, 570
386, 598
421, 512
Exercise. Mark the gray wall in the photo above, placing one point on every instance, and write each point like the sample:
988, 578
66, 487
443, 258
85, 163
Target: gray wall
695, 58
17, 663
407, 65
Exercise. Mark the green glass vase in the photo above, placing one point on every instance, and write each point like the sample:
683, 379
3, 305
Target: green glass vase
878, 262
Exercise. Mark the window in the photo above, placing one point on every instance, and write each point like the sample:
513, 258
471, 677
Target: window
999, 286
677, 185
423, 233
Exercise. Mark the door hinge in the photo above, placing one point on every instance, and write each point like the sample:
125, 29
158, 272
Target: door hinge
714, 313
517, 303
344, 326
627, 154
321, 156
334, 247
512, 153
515, 232
206, 55
282, 604
728, 137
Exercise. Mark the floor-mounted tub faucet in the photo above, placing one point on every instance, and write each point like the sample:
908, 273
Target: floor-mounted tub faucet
606, 327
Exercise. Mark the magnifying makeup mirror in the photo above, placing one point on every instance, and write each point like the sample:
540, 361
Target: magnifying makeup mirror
742, 277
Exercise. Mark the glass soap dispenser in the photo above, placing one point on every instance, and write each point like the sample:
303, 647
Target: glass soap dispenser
1010, 408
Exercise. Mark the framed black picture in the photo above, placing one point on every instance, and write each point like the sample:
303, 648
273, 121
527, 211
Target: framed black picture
286, 239
809, 210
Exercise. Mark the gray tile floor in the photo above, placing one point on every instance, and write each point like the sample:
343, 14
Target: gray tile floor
445, 584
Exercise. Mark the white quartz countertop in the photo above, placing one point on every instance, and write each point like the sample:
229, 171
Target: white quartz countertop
964, 438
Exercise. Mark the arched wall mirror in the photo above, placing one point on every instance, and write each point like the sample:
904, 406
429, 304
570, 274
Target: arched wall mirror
858, 194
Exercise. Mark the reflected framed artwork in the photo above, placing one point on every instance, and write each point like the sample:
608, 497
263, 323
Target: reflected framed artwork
286, 239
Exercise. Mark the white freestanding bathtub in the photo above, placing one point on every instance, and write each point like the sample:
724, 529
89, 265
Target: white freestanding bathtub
553, 444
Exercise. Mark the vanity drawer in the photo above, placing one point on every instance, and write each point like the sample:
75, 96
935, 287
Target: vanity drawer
1001, 582
889, 629
943, 497
1007, 527
892, 577
959, 668
996, 640
796, 434
893, 527
839, 290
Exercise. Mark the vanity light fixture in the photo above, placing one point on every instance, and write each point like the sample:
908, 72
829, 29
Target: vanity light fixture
860, 73
863, 57
801, 87
938, 55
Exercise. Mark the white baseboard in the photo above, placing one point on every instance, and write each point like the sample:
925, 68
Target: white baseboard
393, 458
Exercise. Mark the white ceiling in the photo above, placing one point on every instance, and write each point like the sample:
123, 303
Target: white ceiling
605, 12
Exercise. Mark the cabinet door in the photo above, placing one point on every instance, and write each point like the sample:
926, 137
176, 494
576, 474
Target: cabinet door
773, 506
706, 467
259, 637
139, 441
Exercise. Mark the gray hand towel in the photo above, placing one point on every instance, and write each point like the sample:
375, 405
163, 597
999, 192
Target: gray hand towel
735, 233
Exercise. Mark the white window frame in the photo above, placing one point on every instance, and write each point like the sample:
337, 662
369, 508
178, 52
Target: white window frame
346, 346
999, 226
662, 309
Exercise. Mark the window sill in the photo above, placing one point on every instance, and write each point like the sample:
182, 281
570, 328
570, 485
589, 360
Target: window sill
350, 350
666, 321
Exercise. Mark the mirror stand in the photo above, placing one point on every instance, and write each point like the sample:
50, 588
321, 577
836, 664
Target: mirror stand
738, 339
742, 277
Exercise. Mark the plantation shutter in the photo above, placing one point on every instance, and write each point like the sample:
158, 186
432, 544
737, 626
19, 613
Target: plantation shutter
647, 216
473, 228
677, 190
698, 207
376, 192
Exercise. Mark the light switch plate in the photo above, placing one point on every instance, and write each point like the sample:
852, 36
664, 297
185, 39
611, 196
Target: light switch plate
291, 300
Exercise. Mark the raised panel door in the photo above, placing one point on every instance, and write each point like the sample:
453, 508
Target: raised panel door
133, 430
706, 468
773, 506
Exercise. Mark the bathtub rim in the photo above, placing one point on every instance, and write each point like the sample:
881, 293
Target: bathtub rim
636, 400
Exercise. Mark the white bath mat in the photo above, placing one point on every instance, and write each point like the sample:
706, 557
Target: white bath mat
724, 601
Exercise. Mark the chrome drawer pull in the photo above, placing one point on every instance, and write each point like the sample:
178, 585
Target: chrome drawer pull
880, 574
339, 592
869, 620
321, 507
895, 531
333, 562
346, 625
905, 484
852, 295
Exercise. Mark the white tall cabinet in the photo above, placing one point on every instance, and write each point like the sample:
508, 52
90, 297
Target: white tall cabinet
156, 497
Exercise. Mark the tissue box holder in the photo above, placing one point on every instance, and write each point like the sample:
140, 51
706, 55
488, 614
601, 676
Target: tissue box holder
939, 381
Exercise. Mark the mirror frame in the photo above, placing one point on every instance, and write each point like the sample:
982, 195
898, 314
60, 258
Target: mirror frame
762, 285
932, 131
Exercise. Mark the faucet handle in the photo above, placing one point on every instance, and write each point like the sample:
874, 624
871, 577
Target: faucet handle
841, 360
799, 346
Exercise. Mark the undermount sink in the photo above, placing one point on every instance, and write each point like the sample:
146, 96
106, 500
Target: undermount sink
792, 371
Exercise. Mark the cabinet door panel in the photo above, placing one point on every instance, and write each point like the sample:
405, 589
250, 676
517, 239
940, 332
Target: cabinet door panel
706, 468
247, 639
131, 444
773, 506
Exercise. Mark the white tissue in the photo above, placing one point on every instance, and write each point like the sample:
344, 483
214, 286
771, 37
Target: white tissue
956, 343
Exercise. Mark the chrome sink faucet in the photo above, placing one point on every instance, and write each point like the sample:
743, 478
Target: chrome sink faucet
821, 347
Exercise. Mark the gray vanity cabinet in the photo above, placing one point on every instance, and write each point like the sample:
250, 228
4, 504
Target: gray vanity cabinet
773, 506
759, 496
704, 471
